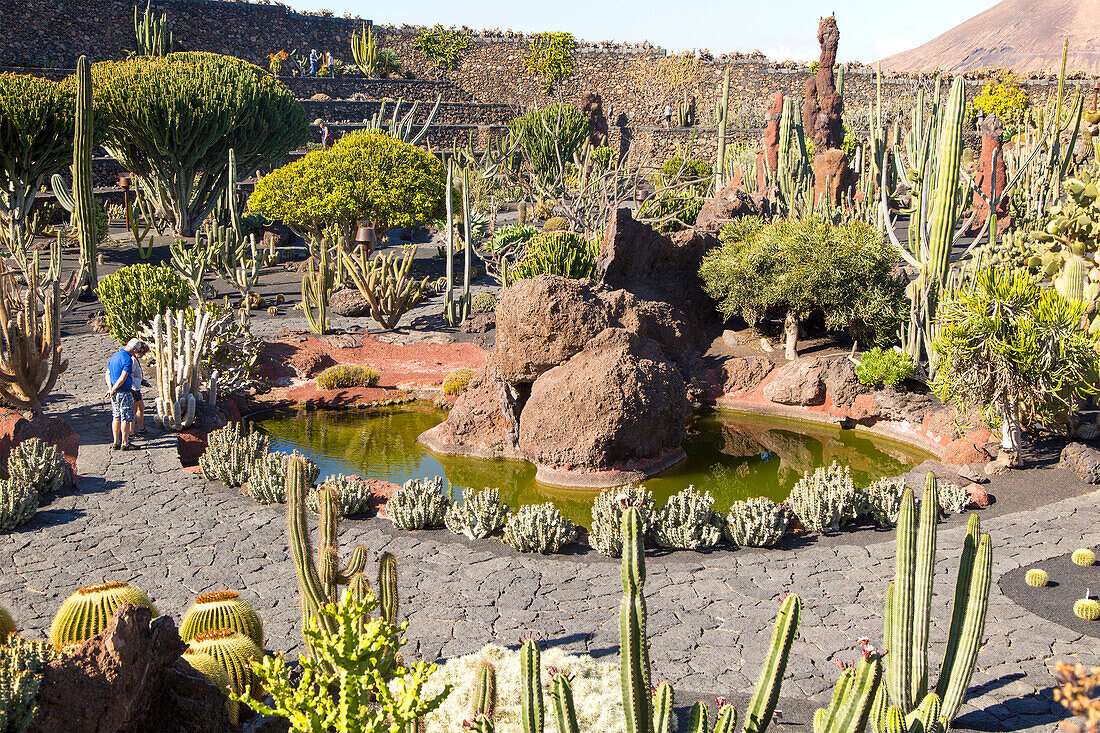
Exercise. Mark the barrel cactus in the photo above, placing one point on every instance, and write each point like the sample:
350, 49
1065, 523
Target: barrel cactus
36, 463
223, 609
418, 504
1087, 609
234, 652
479, 514
18, 503
1083, 557
605, 532
1036, 577
86, 612
209, 668
758, 522
539, 528
483, 303
688, 521
7, 625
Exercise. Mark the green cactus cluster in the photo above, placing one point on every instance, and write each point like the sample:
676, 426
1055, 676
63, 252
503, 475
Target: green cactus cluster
36, 463
688, 521
478, 515
418, 504
235, 653
223, 609
1086, 609
483, 303
230, 454
1036, 577
386, 283
455, 383
826, 499
758, 522
882, 501
954, 499
539, 528
18, 503
86, 612
853, 698
352, 494
605, 532
267, 477
558, 253
21, 664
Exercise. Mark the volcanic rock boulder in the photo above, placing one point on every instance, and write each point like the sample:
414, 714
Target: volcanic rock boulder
129, 679
822, 107
990, 179
731, 202
772, 115
617, 402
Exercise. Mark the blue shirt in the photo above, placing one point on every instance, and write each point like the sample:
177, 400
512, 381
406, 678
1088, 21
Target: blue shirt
119, 363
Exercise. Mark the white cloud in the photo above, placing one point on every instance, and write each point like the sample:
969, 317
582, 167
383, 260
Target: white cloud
884, 47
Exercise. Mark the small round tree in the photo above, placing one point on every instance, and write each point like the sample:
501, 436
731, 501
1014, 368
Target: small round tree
1014, 350
172, 120
365, 175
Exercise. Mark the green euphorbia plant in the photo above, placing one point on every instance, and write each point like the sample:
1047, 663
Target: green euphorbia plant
1014, 350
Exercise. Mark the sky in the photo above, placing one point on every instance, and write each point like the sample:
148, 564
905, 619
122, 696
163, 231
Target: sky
782, 29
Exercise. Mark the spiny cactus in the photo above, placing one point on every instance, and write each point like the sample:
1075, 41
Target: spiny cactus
30, 361
21, 664
38, 464
688, 521
352, 493
605, 533
418, 504
387, 588
178, 352
484, 698
1087, 609
1036, 577
229, 454
234, 652
758, 522
664, 715
954, 499
18, 503
539, 528
455, 383
347, 375
386, 284
479, 515
213, 671
7, 624
317, 285
853, 698
882, 501
86, 612
222, 610
1083, 557
825, 499
267, 477
483, 303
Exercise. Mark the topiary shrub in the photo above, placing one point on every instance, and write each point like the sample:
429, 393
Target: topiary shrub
418, 504
890, 367
483, 303
455, 383
134, 295
688, 521
343, 376
606, 531
37, 464
479, 515
758, 522
351, 491
825, 499
558, 253
539, 528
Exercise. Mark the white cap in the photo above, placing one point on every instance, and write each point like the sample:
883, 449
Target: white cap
133, 344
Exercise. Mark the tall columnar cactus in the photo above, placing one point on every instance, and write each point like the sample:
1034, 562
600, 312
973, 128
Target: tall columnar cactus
151, 32
387, 588
364, 51
317, 285
721, 113
909, 603
664, 716
30, 342
484, 700
318, 583
386, 284
456, 310
561, 693
853, 698
178, 350
633, 643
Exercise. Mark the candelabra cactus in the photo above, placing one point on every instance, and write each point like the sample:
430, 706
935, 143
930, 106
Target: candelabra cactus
721, 112
1036, 577
153, 36
909, 604
364, 50
178, 350
1083, 557
757, 522
853, 698
222, 610
86, 612
386, 284
30, 342
193, 262
479, 515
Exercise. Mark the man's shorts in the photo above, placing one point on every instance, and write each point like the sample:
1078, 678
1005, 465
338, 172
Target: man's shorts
122, 406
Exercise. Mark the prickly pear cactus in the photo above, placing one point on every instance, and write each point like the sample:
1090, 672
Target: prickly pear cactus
18, 503
37, 463
688, 521
758, 522
230, 454
479, 515
825, 499
418, 504
606, 532
539, 528
1068, 245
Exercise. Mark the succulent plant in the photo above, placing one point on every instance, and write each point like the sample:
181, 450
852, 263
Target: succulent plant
1036, 577
483, 701
555, 224
1087, 609
605, 533
351, 491
539, 528
7, 625
222, 610
954, 499
455, 383
36, 463
479, 514
882, 501
21, 664
1083, 557
18, 503
483, 303
213, 671
229, 454
86, 612
234, 652
758, 522
825, 499
267, 477
347, 375
418, 504
688, 521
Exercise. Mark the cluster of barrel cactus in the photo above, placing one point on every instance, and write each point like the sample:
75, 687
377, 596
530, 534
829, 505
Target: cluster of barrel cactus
758, 522
418, 504
230, 454
233, 652
605, 532
688, 521
352, 495
478, 515
825, 499
539, 528
224, 609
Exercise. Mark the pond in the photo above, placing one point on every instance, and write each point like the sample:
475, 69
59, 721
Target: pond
732, 455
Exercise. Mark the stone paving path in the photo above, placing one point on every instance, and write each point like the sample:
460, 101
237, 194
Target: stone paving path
137, 516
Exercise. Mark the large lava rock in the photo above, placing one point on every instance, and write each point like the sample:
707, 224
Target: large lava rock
129, 679
731, 202
1083, 460
619, 400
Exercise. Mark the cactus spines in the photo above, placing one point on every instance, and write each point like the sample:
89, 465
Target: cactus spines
479, 515
222, 610
945, 204
564, 711
633, 644
530, 692
234, 652
21, 664
484, 701
539, 528
1036, 577
418, 504
387, 587
765, 695
30, 361
1083, 557
18, 503
7, 625
853, 698
726, 722
605, 532
758, 522
664, 717
1087, 609
86, 612
699, 720
34, 462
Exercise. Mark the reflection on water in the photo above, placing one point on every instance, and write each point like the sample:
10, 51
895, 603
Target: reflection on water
731, 455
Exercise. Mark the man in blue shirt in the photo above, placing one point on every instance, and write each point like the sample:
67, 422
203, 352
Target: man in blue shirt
119, 389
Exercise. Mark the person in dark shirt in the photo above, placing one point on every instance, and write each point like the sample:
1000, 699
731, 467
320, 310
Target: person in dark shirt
120, 388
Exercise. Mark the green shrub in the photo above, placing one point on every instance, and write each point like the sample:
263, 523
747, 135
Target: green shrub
172, 120
671, 212
442, 46
455, 383
134, 295
890, 367
342, 376
483, 303
551, 55
1003, 96
603, 158
543, 133
558, 253
677, 170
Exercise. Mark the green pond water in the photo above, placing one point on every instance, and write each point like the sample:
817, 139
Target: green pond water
732, 455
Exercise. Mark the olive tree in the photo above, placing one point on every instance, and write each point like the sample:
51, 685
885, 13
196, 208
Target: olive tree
1016, 351
365, 175
795, 268
172, 120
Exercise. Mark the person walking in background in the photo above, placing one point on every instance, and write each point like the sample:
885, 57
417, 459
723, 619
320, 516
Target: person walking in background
313, 62
138, 380
330, 62
324, 136
119, 389
668, 116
